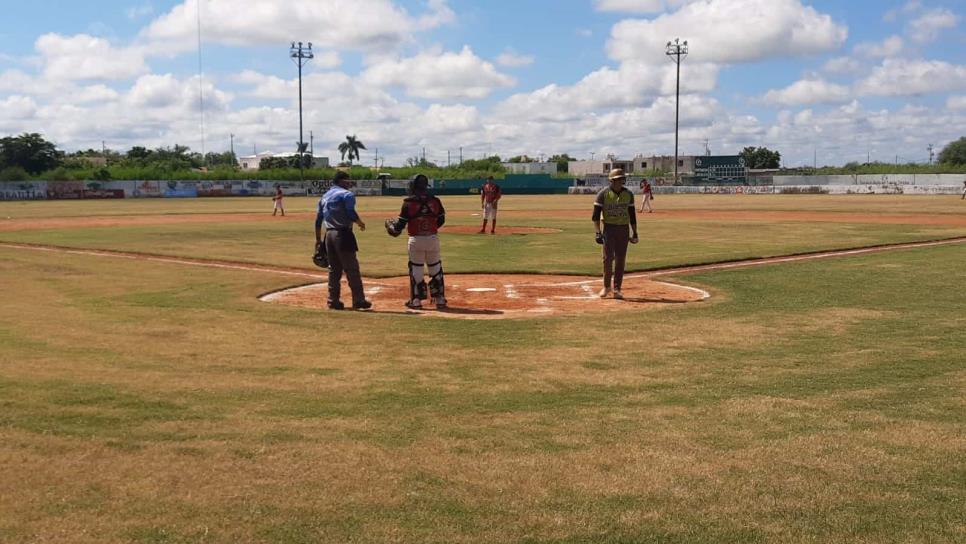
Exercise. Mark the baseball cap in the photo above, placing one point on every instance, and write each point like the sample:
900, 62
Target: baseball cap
617, 173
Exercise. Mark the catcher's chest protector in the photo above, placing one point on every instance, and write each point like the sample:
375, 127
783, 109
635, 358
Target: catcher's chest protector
423, 213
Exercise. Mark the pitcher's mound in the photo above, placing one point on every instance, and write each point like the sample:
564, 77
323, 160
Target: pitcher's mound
500, 296
500, 230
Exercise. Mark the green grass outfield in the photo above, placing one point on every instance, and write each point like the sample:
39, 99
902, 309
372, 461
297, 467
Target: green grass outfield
818, 401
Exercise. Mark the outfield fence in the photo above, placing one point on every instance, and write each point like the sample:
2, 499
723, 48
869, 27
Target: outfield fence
920, 184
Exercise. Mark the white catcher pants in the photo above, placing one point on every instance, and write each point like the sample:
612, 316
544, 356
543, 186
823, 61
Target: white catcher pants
424, 250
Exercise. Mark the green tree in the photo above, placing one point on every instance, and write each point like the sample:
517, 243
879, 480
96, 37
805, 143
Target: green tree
520, 158
350, 147
29, 151
761, 157
954, 153
562, 161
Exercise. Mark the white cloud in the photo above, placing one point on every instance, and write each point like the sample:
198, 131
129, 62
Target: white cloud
135, 13
584, 32
809, 91
81, 57
909, 7
16, 81
17, 107
511, 58
639, 6
438, 74
719, 31
899, 77
336, 24
890, 47
630, 85
957, 102
842, 65
629, 6
926, 27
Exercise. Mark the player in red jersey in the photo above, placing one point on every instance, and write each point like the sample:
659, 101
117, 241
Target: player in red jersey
490, 194
422, 215
646, 196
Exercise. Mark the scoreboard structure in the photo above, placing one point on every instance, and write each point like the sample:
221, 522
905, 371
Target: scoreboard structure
720, 170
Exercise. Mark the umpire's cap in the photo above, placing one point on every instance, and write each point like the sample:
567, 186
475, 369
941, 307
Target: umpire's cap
617, 173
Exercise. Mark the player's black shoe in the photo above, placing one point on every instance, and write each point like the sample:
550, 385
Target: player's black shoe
361, 305
336, 305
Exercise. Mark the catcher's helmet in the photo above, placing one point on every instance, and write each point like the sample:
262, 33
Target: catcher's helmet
419, 182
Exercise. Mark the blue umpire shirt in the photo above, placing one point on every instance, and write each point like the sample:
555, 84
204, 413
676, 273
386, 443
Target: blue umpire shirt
337, 209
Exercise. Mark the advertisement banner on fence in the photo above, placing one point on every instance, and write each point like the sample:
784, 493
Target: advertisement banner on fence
215, 188
23, 190
65, 190
180, 189
147, 189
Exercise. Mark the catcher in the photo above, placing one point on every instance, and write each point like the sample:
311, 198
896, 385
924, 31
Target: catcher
422, 214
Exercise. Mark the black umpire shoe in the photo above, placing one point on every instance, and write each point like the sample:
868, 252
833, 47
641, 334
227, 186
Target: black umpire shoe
363, 305
336, 305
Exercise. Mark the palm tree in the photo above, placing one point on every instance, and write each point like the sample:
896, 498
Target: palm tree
350, 146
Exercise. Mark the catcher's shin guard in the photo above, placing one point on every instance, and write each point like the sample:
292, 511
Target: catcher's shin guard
436, 284
417, 287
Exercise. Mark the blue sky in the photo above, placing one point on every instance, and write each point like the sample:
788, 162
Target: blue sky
840, 81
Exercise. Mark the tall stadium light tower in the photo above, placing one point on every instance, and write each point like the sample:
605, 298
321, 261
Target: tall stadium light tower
301, 56
677, 50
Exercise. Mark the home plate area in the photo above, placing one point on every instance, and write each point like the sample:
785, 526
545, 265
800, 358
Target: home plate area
500, 296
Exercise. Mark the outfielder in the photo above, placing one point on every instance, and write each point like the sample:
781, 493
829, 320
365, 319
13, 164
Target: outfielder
277, 199
615, 205
490, 195
647, 195
422, 214
964, 190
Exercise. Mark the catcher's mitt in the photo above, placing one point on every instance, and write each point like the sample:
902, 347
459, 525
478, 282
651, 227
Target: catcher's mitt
391, 228
320, 258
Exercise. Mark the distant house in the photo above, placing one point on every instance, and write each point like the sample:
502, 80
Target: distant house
530, 167
251, 162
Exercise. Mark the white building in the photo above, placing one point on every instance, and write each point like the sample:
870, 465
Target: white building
251, 162
530, 167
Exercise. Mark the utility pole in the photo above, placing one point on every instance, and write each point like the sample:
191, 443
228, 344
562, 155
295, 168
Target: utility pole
311, 143
461, 155
232, 145
929, 147
301, 56
375, 162
103, 149
591, 155
675, 50
707, 147
447, 158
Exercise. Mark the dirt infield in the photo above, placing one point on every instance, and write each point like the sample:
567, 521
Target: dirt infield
488, 296
500, 231
497, 296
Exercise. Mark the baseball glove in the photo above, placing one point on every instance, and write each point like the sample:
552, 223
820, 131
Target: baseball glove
599, 238
391, 228
320, 258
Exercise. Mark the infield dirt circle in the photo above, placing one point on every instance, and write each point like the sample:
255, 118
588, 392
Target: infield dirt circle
496, 296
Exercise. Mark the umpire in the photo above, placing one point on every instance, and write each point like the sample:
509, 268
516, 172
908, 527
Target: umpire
615, 205
337, 211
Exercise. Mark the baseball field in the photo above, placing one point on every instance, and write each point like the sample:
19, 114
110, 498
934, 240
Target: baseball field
168, 374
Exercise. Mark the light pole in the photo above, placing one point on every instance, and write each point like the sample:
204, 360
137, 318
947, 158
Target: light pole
301, 56
676, 50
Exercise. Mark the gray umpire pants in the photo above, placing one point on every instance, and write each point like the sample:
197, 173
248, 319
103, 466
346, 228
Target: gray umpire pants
341, 248
616, 238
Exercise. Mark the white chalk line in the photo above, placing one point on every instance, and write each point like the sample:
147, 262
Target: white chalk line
376, 287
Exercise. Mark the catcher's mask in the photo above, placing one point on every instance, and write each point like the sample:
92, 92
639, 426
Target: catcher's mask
419, 182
